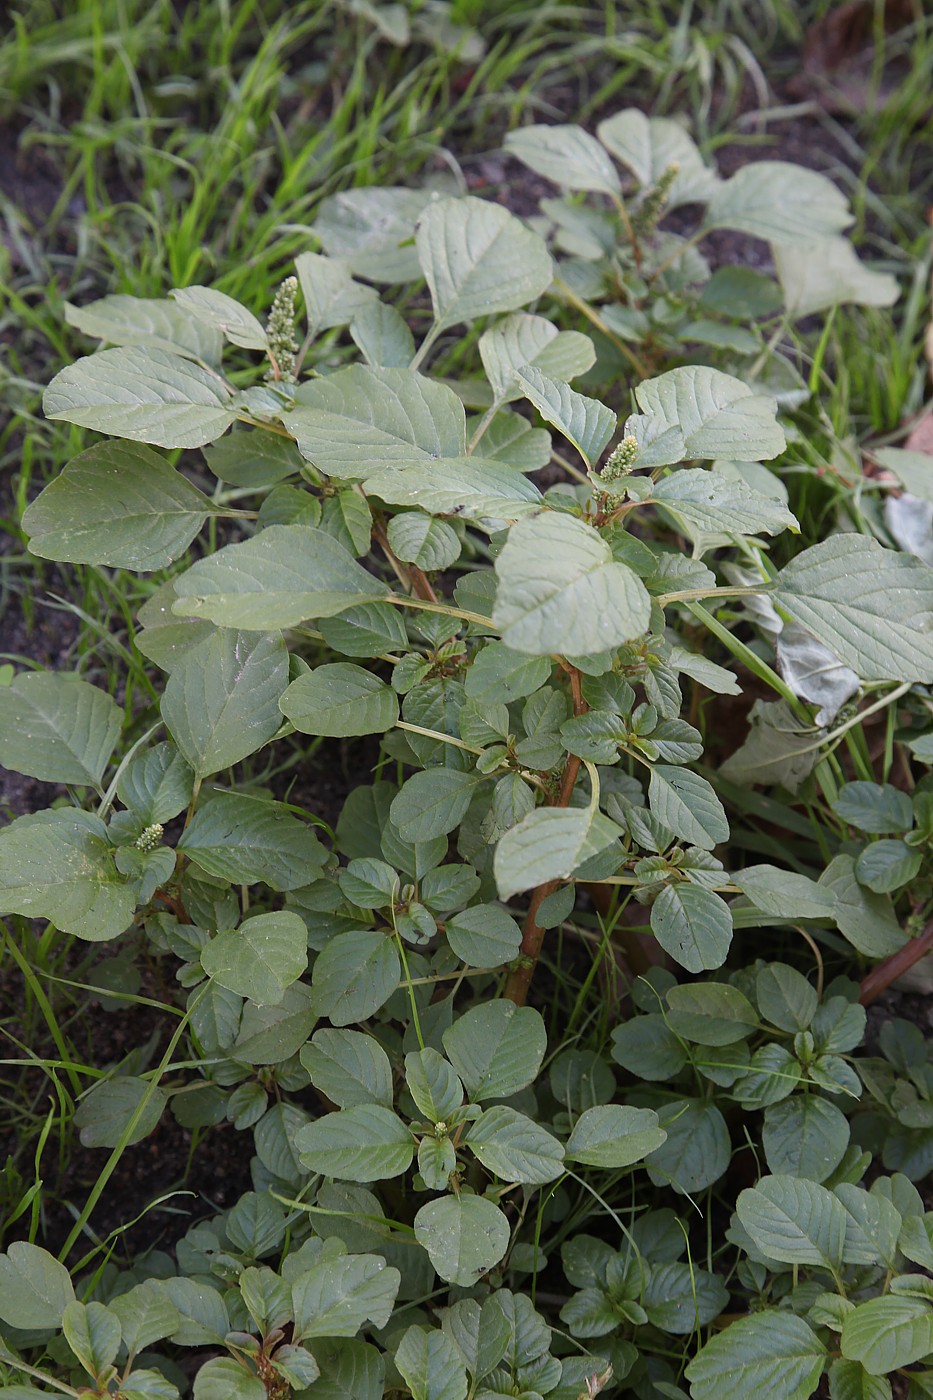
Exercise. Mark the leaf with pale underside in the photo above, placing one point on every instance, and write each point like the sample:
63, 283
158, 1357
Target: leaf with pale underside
780, 202
830, 273
697, 411
154, 321
549, 844
585, 422
479, 259
649, 146
235, 322
561, 591
58, 865
522, 339
57, 728
143, 394
568, 155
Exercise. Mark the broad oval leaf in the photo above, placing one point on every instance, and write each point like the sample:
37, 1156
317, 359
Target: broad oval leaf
464, 1236
156, 322
58, 728
514, 1148
585, 422
692, 924
58, 865
885, 1334
348, 1067
794, 1221
35, 1289
431, 1365
614, 1136
496, 1048
261, 958
697, 411
283, 576
355, 974
687, 805
773, 1353
117, 504
245, 839
363, 1143
340, 700
238, 324
433, 802
568, 155
484, 935
549, 844
649, 146
780, 202
523, 340
805, 1136
830, 273
103, 1117
561, 591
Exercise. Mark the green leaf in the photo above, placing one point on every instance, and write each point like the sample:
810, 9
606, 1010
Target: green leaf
357, 421
585, 422
340, 700
830, 273
363, 1143
784, 893
912, 470
873, 607
93, 1332
464, 1236
805, 1136
146, 1315
253, 457
794, 1221
261, 958
221, 702
431, 1365
697, 1150
780, 202
223, 1378
522, 340
283, 576
866, 919
499, 674
648, 146
715, 503
103, 1116
58, 728
470, 487
612, 1136
885, 866
482, 1333
337, 1296
549, 844
331, 296
496, 1048
58, 865
355, 974
155, 322
848, 1380
514, 1148
203, 1316
383, 336
886, 1334
116, 504
687, 805
367, 630
418, 539
348, 1067
156, 785
433, 1084
773, 1353
372, 229
268, 1035
35, 1289
874, 807
143, 394
696, 411
433, 802
560, 590
710, 1013
568, 155
484, 935
692, 924
785, 997
478, 259
215, 308
245, 839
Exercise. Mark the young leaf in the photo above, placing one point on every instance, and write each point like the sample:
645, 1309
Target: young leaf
221, 702
560, 590
58, 728
785, 997
611, 1136
261, 958
780, 202
238, 324
568, 155
794, 1221
418, 539
464, 1236
496, 1048
697, 1149
340, 700
146, 395
363, 1143
224, 1378
156, 785
283, 576
478, 259
873, 607
773, 1353
58, 865
433, 1084
245, 839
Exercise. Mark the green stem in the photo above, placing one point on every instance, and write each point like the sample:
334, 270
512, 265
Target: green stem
45, 1007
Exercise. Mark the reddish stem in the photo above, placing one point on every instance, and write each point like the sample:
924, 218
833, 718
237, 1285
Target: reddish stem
893, 967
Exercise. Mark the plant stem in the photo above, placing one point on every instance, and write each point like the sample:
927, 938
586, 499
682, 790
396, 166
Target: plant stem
893, 967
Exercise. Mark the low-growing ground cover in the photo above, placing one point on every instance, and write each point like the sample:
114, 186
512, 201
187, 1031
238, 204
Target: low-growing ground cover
490, 778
